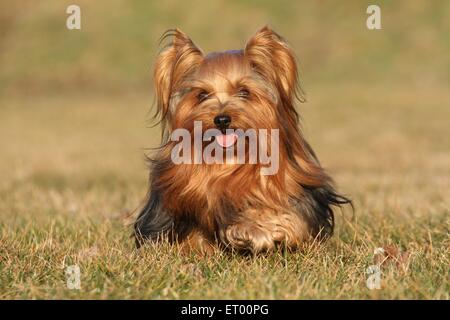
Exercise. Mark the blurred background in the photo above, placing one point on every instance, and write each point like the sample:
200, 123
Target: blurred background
117, 43
75, 104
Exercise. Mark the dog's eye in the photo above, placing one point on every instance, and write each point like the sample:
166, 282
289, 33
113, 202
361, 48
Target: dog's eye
243, 93
202, 96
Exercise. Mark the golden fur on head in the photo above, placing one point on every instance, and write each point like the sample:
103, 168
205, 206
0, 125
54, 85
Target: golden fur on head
233, 205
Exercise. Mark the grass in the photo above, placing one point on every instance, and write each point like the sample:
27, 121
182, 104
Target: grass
73, 133
71, 175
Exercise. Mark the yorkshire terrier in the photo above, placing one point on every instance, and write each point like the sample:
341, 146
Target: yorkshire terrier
208, 205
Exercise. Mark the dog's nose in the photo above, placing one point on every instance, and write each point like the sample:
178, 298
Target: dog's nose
222, 121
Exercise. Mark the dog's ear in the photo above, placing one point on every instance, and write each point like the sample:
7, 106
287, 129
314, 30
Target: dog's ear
271, 56
176, 61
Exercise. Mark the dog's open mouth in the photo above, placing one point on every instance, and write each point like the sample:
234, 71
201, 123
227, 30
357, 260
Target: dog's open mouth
226, 140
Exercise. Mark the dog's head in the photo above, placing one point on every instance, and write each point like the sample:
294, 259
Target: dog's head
253, 88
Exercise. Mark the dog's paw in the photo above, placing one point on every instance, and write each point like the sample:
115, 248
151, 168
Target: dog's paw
251, 237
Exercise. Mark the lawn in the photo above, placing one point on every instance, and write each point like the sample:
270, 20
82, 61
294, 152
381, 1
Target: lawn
75, 125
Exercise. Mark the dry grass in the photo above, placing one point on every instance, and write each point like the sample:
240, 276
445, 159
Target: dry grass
70, 175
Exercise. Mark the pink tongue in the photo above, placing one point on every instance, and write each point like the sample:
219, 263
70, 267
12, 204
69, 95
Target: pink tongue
226, 140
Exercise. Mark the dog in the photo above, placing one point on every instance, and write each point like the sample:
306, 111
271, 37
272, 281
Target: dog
232, 206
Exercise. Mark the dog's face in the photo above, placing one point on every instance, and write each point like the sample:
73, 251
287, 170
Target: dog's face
225, 93
241, 89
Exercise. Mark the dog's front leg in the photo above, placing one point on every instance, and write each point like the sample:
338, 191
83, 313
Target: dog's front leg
263, 230
196, 242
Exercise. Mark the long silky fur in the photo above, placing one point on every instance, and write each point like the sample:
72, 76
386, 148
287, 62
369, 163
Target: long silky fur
153, 222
